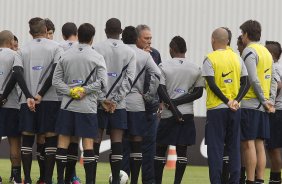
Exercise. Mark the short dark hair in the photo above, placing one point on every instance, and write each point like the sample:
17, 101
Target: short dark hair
85, 33
276, 49
49, 25
69, 29
252, 28
113, 26
129, 35
229, 35
16, 39
178, 44
37, 26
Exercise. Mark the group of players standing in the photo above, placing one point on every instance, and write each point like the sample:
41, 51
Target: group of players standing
73, 90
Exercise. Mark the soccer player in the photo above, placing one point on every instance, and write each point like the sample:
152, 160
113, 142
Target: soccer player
240, 45
274, 144
16, 44
181, 84
135, 104
121, 62
254, 119
33, 69
80, 66
9, 112
69, 33
50, 29
224, 72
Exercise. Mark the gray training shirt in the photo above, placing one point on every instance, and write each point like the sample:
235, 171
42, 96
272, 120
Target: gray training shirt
37, 58
251, 64
7, 57
121, 64
180, 77
144, 63
278, 100
72, 70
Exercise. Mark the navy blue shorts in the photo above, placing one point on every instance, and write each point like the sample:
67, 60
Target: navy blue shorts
136, 122
275, 123
171, 132
116, 120
254, 124
41, 121
83, 125
9, 122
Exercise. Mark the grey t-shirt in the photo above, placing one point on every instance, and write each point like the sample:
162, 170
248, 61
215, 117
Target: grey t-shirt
209, 71
66, 44
278, 100
118, 56
37, 58
144, 63
180, 77
7, 57
73, 69
251, 64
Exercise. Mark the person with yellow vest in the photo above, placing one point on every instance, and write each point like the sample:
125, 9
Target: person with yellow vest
254, 119
226, 84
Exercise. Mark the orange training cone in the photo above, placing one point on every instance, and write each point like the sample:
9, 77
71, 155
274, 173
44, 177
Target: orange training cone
171, 158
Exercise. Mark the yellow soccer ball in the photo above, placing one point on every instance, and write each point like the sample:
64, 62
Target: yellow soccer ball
74, 92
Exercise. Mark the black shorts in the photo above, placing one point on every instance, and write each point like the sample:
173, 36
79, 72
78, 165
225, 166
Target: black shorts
9, 122
254, 124
116, 120
275, 123
83, 125
171, 132
137, 122
41, 121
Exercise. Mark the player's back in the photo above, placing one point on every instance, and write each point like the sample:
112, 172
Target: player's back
7, 57
180, 76
37, 58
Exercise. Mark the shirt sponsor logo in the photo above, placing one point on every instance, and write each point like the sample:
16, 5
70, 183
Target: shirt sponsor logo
179, 90
112, 74
77, 81
228, 81
37, 67
267, 76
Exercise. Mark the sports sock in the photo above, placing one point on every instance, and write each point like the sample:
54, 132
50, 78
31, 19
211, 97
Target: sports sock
72, 157
225, 167
26, 154
243, 175
16, 173
275, 178
96, 155
135, 161
181, 163
50, 154
250, 182
115, 161
61, 160
259, 181
159, 162
88, 162
40, 159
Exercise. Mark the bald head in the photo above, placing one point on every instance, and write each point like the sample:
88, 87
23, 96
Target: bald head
6, 38
220, 36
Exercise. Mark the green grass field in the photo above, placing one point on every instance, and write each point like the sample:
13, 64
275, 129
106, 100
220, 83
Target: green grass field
193, 174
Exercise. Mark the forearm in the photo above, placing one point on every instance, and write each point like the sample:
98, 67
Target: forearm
18, 75
189, 97
214, 88
244, 87
48, 83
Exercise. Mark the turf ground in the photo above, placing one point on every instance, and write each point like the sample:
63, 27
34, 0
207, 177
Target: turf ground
193, 174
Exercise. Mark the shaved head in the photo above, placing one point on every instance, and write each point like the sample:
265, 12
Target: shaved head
220, 36
6, 37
